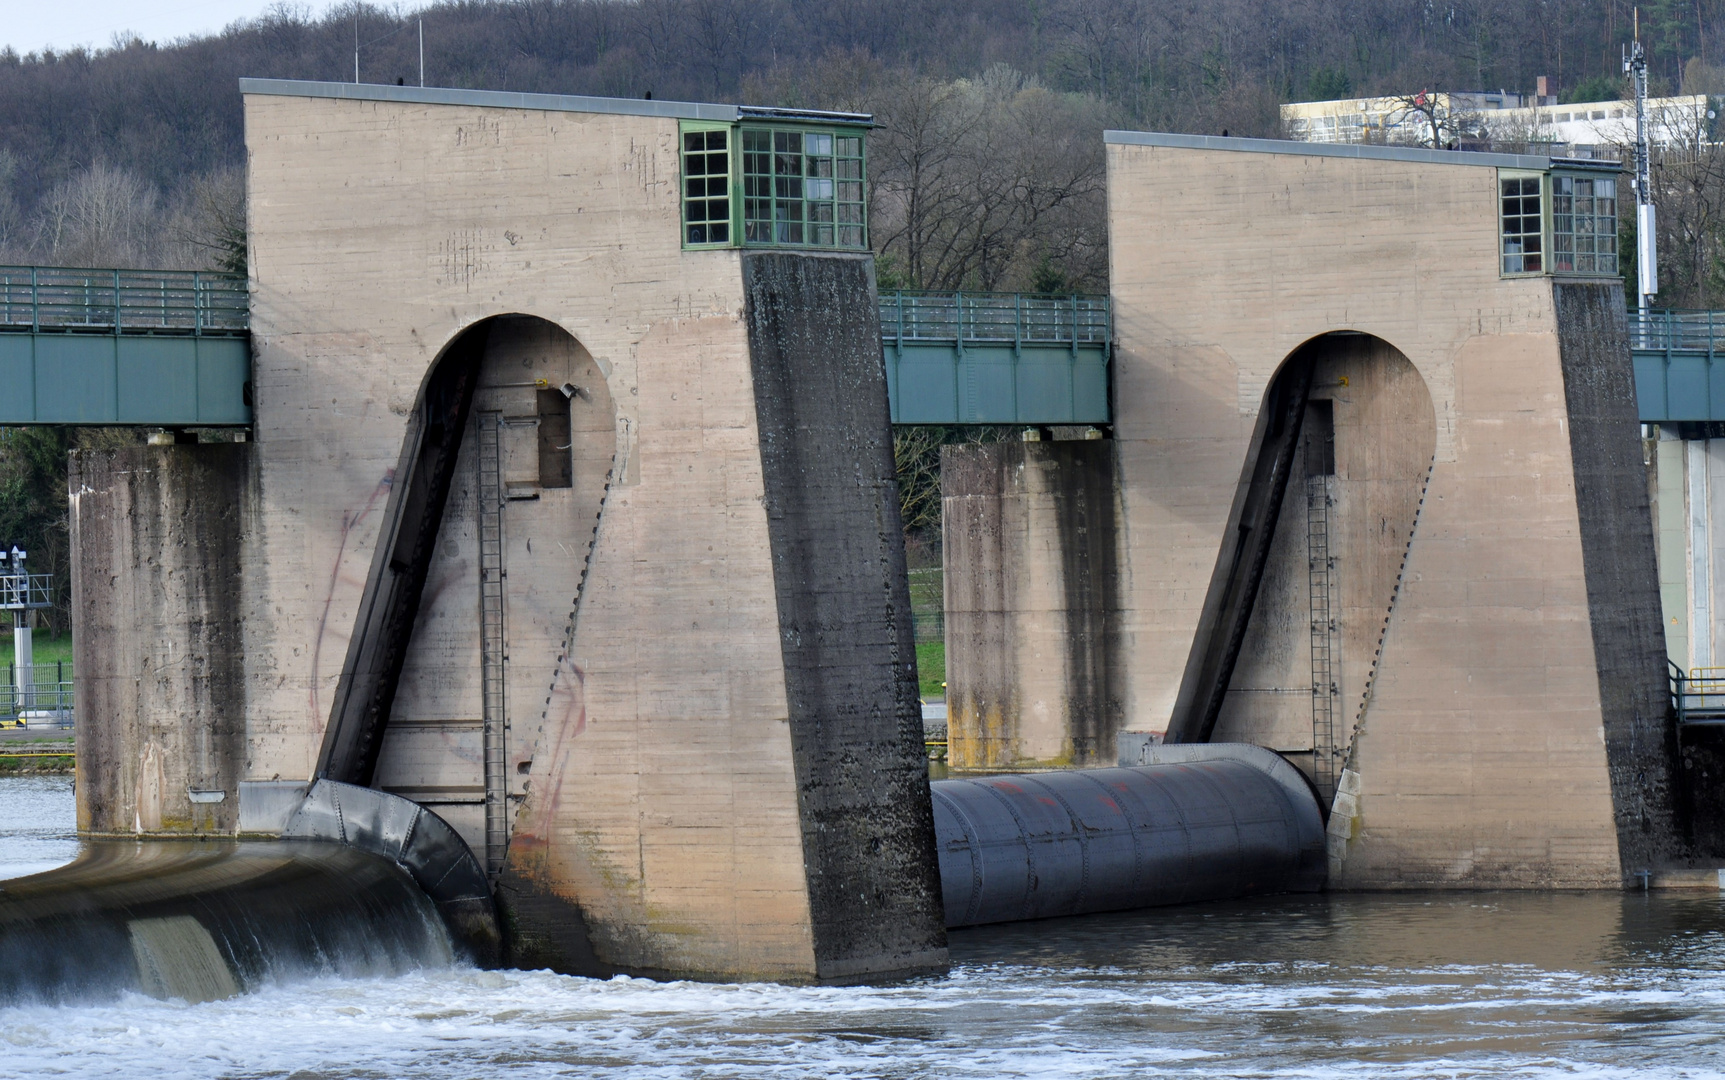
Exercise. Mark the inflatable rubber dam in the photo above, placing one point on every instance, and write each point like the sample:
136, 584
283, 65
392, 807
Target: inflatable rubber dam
365, 883
548, 605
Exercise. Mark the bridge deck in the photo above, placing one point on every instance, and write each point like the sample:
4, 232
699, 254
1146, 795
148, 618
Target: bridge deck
171, 348
996, 358
155, 347
1679, 365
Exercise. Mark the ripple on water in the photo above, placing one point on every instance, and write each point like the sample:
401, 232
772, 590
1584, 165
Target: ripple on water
1452, 986
38, 824
1345, 986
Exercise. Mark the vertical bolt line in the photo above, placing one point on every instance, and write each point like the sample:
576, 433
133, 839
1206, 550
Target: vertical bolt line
1347, 759
619, 468
493, 655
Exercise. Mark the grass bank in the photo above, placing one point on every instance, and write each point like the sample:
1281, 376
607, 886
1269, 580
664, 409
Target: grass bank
49, 755
931, 669
46, 650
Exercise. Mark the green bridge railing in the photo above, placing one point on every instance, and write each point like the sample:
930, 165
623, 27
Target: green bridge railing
38, 299
157, 347
996, 358
1679, 361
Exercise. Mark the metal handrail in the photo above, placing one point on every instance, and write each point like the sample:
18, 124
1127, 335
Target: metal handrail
994, 318
23, 592
1677, 330
1697, 695
48, 299
49, 695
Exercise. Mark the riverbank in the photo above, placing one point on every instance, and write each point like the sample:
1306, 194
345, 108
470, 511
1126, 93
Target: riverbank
24, 752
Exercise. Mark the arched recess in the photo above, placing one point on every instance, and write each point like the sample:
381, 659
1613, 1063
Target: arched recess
502, 470
1329, 496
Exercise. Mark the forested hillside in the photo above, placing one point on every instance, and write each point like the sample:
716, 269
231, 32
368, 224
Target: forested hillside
161, 124
986, 164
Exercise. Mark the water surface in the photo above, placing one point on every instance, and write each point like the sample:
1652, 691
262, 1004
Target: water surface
38, 824
1433, 985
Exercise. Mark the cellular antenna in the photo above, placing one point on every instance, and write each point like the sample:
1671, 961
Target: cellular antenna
1646, 237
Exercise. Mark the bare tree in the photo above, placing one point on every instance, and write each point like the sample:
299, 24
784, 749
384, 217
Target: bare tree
977, 182
98, 217
1441, 125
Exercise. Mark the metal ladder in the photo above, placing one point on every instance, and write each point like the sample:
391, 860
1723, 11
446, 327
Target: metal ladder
491, 636
1320, 571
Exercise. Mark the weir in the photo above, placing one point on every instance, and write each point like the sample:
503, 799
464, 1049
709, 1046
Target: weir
561, 577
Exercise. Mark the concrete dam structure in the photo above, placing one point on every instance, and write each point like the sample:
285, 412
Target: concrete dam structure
558, 592
561, 518
1375, 500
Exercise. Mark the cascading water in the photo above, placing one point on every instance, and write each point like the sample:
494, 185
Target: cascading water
201, 920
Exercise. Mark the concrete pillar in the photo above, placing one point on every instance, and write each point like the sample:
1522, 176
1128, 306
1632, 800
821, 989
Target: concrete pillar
1030, 553
1511, 727
157, 540
1671, 522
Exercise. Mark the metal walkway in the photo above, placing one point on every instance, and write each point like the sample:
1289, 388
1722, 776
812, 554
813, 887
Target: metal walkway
1697, 695
171, 349
159, 347
996, 358
1679, 365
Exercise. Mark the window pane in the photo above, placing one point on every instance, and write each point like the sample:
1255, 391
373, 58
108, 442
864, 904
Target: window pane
706, 173
791, 188
1589, 230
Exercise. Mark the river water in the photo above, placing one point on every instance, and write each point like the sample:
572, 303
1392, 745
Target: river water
1407, 985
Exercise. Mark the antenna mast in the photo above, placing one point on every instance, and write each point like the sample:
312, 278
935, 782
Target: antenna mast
1646, 245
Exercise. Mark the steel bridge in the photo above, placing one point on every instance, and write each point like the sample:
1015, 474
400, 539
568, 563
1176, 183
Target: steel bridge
157, 347
996, 358
1679, 365
169, 348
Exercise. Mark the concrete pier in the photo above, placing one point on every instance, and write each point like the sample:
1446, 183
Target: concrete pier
1030, 540
585, 539
158, 541
1378, 505
1499, 680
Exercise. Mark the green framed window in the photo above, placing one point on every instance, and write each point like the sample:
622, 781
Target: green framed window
1583, 224
1559, 222
707, 202
1522, 224
774, 185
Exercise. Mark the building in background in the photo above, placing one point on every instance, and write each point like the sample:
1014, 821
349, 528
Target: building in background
1481, 119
